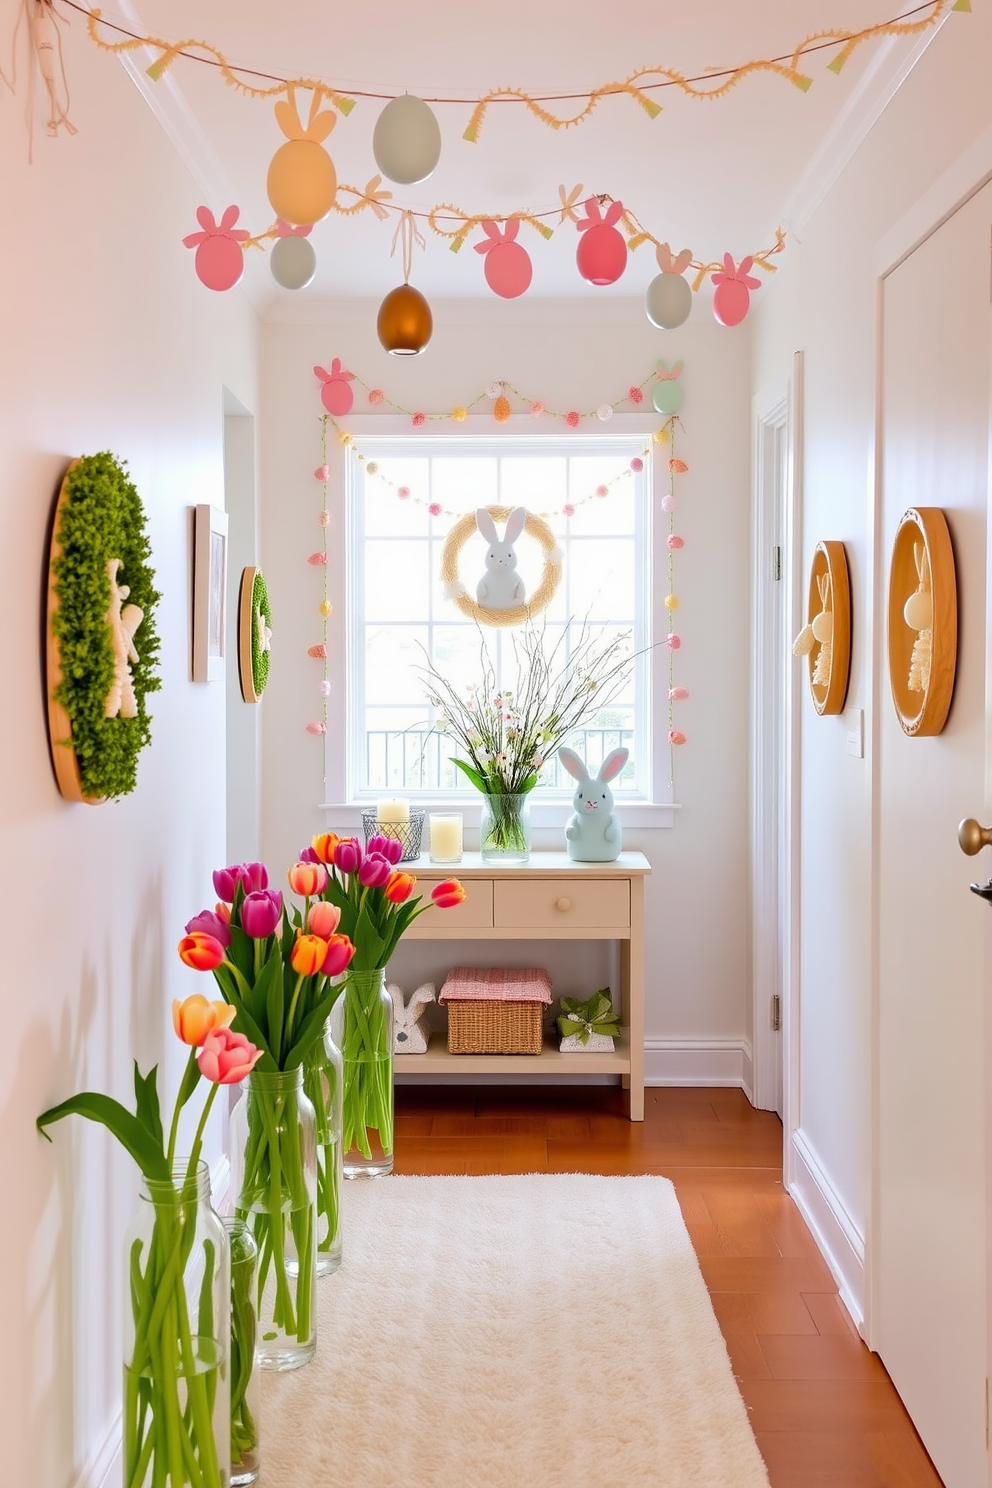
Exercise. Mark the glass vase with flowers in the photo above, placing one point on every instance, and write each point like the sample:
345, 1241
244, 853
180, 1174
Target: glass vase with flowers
176, 1398
376, 905
506, 733
277, 968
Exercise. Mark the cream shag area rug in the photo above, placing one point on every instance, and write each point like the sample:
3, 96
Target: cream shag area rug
542, 1330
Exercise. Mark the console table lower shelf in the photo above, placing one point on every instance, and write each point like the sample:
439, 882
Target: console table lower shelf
551, 1062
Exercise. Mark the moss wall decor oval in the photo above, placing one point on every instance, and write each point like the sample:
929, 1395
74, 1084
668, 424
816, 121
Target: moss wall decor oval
254, 634
102, 646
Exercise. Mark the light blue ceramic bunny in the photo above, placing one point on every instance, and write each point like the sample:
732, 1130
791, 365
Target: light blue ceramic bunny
593, 834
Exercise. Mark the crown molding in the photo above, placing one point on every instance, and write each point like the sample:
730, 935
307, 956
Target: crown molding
885, 74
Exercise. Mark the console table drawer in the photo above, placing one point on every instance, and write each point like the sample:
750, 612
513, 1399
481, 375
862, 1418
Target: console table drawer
557, 903
474, 913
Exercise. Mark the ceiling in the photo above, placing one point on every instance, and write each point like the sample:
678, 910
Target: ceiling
715, 176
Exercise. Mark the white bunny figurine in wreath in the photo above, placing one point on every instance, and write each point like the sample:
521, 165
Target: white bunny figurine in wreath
593, 833
500, 587
411, 1034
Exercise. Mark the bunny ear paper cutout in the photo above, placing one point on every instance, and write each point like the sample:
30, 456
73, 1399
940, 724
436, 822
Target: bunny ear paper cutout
613, 213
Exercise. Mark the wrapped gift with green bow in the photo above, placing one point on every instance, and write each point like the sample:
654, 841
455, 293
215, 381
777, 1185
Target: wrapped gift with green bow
596, 1015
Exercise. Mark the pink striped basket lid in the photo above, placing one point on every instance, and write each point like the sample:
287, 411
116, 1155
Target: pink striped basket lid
496, 984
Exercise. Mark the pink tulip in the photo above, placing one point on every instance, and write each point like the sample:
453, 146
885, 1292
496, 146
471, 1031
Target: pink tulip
261, 913
200, 951
374, 871
324, 919
348, 854
339, 953
307, 878
308, 856
255, 876
227, 1057
391, 848
226, 881
210, 923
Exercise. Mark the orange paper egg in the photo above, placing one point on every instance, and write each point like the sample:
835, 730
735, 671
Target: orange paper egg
302, 182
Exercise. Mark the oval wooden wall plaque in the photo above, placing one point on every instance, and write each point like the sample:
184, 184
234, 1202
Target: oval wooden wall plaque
922, 621
829, 596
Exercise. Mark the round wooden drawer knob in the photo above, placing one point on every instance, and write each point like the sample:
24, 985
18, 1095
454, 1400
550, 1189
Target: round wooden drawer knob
563, 904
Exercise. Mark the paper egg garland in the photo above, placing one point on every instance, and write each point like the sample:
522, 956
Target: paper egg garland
406, 141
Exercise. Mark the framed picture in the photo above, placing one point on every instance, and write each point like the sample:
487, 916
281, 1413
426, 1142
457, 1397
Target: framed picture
209, 594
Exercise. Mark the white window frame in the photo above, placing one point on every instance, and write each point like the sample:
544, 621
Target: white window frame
652, 804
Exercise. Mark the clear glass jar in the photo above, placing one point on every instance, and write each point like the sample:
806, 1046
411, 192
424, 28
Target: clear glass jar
177, 1336
362, 1028
323, 1081
245, 1382
274, 1181
504, 830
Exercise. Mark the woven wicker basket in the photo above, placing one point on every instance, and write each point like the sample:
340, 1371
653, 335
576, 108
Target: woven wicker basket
495, 1027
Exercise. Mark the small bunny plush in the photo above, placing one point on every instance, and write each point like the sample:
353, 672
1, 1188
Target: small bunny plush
593, 833
410, 1031
500, 588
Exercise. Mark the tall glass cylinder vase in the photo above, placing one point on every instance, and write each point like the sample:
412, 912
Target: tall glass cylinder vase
504, 830
244, 1373
274, 1175
323, 1081
177, 1336
362, 1027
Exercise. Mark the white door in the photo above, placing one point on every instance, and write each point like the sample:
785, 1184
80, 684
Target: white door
929, 1270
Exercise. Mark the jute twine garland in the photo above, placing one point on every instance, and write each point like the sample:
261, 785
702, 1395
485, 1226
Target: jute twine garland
454, 588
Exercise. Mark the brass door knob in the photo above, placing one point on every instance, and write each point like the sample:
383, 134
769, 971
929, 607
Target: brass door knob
972, 837
563, 904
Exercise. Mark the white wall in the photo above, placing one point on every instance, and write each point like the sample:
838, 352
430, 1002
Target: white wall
575, 354
824, 303
108, 343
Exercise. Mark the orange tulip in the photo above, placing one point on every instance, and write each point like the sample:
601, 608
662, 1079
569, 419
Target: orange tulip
307, 878
448, 893
201, 951
399, 886
324, 844
307, 955
195, 1017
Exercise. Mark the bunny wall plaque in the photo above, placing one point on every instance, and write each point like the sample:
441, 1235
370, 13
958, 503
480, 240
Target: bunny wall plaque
593, 833
501, 587
410, 1031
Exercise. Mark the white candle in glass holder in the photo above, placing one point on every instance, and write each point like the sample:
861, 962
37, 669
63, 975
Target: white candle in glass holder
394, 810
446, 838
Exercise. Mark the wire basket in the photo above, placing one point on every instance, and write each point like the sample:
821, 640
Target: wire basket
409, 833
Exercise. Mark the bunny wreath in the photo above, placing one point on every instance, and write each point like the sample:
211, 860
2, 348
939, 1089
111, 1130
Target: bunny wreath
707, 85
519, 614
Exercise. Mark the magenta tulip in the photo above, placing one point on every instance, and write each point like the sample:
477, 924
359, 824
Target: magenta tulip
255, 877
374, 871
226, 881
339, 953
209, 923
261, 913
308, 856
391, 848
348, 854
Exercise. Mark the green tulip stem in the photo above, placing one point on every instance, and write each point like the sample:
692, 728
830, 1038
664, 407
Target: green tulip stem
174, 1128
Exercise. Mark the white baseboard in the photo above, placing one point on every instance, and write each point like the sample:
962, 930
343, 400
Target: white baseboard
833, 1229
699, 1062
104, 1468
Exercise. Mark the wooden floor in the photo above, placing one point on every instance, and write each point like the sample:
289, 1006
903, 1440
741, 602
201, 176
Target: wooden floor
822, 1407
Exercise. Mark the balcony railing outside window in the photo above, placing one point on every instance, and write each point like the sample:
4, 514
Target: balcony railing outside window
420, 760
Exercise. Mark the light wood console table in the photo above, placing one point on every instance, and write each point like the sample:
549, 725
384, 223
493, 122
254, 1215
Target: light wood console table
547, 898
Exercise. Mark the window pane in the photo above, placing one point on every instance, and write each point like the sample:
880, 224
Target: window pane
461, 484
392, 655
537, 482
601, 575
396, 579
384, 513
613, 513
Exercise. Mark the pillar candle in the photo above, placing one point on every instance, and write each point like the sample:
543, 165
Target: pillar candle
394, 810
446, 838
